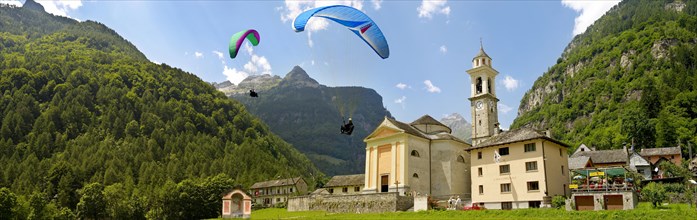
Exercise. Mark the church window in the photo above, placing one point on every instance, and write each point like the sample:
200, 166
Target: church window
460, 159
505, 169
357, 188
481, 189
479, 85
415, 175
480, 172
415, 153
562, 170
530, 147
503, 151
480, 122
345, 190
560, 153
479, 155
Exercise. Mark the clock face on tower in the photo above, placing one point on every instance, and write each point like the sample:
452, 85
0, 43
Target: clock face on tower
479, 104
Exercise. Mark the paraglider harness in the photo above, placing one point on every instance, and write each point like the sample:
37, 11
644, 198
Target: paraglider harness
252, 93
347, 128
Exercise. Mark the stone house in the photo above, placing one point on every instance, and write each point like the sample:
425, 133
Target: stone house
671, 154
345, 184
269, 193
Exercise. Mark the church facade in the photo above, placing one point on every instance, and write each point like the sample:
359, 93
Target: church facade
421, 157
521, 168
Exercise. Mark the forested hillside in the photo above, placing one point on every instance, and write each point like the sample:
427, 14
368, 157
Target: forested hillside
91, 129
630, 75
309, 116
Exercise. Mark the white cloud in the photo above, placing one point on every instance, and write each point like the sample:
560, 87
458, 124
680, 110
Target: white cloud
590, 11
234, 76
60, 7
313, 62
248, 47
257, 65
443, 49
11, 2
219, 54
156, 62
402, 86
401, 101
377, 4
198, 54
430, 87
430, 7
294, 7
510, 83
504, 108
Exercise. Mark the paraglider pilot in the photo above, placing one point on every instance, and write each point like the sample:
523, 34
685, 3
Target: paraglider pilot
252, 93
347, 128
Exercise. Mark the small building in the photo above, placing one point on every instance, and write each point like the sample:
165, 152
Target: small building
272, 192
602, 189
345, 184
609, 158
671, 154
237, 204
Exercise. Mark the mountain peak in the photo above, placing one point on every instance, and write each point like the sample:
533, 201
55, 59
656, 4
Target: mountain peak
459, 125
31, 4
299, 78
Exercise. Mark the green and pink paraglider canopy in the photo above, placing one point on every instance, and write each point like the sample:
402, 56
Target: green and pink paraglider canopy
237, 39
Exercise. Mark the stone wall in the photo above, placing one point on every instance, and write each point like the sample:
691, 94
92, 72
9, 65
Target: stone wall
364, 203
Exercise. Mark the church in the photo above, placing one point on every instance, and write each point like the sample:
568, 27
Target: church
421, 158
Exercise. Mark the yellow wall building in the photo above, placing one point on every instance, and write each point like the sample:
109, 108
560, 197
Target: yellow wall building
530, 166
421, 157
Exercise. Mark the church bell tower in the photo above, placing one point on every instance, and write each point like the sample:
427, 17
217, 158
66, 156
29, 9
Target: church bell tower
483, 101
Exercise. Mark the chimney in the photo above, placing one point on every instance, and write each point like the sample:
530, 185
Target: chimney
496, 128
548, 133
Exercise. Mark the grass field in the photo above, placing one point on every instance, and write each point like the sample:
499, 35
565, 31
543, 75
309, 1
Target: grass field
644, 211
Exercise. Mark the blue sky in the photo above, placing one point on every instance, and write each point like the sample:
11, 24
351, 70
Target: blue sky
431, 43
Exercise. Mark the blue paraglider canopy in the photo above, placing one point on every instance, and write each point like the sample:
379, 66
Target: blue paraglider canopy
355, 20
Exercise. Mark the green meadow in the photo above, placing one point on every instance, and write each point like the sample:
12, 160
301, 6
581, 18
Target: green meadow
644, 211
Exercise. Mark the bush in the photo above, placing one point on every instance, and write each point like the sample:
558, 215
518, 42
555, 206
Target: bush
654, 193
558, 202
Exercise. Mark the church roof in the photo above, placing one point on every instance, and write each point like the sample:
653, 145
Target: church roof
407, 128
272, 183
660, 151
516, 135
481, 53
346, 180
410, 129
426, 120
